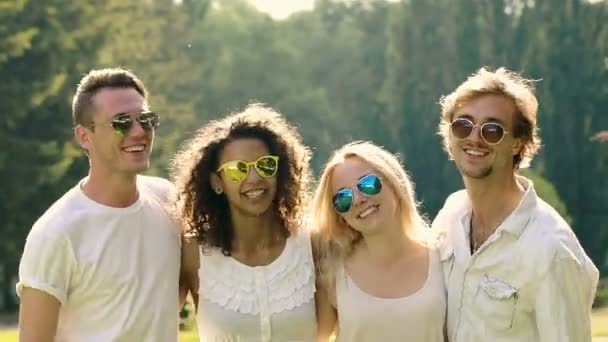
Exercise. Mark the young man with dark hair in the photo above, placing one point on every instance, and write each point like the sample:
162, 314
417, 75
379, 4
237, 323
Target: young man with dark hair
102, 263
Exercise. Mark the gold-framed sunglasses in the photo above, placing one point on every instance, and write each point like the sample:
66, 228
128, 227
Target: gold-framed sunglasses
238, 170
491, 132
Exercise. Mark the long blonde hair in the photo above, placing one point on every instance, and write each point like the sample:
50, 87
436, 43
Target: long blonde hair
337, 238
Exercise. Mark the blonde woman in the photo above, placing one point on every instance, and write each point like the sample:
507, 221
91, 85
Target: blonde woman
380, 278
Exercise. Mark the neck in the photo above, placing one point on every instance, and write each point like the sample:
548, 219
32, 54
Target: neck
254, 232
112, 190
492, 200
388, 245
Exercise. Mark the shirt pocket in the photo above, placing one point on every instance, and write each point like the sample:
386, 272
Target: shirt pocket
497, 302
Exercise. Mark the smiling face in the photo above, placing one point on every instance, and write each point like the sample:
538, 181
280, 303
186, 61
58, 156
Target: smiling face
367, 214
254, 195
474, 157
111, 153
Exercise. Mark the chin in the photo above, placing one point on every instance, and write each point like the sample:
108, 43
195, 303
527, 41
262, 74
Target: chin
255, 211
368, 227
475, 173
139, 169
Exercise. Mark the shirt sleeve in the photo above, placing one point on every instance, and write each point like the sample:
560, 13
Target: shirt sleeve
564, 299
47, 264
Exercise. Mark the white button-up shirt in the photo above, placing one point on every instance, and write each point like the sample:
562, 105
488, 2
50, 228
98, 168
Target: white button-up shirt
530, 281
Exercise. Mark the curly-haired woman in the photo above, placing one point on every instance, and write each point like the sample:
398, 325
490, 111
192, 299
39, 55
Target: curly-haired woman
243, 184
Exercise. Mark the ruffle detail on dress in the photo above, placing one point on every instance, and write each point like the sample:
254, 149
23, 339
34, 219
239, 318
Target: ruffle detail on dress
284, 284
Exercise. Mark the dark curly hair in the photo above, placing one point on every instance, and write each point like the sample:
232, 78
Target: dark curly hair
205, 214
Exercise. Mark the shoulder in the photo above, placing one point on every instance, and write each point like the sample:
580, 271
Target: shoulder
157, 186
455, 205
552, 238
443, 226
61, 217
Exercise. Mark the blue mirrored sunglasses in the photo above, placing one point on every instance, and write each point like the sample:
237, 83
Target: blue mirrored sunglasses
368, 185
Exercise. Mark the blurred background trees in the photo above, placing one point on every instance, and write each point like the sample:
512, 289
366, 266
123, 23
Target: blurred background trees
366, 69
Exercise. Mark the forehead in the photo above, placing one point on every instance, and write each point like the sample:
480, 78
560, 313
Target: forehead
490, 107
111, 101
347, 173
247, 149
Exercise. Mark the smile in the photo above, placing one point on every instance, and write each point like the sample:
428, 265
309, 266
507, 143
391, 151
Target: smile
134, 148
475, 153
254, 193
368, 211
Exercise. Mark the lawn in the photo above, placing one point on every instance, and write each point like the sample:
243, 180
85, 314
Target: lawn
600, 328
600, 322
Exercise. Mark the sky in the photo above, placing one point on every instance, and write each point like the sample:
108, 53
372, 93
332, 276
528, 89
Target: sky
280, 9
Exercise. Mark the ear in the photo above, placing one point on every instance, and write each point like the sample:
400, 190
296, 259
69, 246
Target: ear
216, 183
82, 135
517, 146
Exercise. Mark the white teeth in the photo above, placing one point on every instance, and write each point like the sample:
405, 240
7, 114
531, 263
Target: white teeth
254, 193
475, 153
368, 211
137, 148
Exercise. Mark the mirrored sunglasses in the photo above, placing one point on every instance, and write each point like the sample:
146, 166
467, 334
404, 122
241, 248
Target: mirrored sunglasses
122, 122
368, 185
238, 170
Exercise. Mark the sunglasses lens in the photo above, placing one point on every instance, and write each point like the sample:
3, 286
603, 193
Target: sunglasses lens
343, 200
492, 133
148, 120
267, 166
370, 185
122, 123
461, 128
237, 171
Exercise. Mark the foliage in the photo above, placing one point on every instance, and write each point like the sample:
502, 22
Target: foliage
359, 69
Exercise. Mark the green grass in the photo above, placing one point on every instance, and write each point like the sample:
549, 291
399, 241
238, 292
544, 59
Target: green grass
600, 322
8, 335
599, 327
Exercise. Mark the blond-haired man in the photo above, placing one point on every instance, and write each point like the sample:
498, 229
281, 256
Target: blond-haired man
514, 270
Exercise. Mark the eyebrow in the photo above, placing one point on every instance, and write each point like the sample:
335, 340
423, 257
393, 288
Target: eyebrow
489, 119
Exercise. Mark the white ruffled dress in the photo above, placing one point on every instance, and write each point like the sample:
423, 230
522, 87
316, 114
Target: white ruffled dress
258, 304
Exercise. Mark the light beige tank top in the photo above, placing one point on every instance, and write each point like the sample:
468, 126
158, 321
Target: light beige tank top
418, 317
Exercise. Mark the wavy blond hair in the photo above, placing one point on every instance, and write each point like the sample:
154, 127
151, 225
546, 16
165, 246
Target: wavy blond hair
500, 82
337, 238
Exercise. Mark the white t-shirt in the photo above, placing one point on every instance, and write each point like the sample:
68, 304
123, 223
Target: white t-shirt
239, 303
115, 271
418, 317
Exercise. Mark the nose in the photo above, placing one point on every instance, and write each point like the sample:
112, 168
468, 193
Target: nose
253, 175
136, 129
358, 198
476, 134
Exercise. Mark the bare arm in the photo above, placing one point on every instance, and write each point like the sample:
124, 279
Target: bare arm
45, 272
327, 315
38, 316
188, 277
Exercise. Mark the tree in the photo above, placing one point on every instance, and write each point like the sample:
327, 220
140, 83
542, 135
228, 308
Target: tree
41, 47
